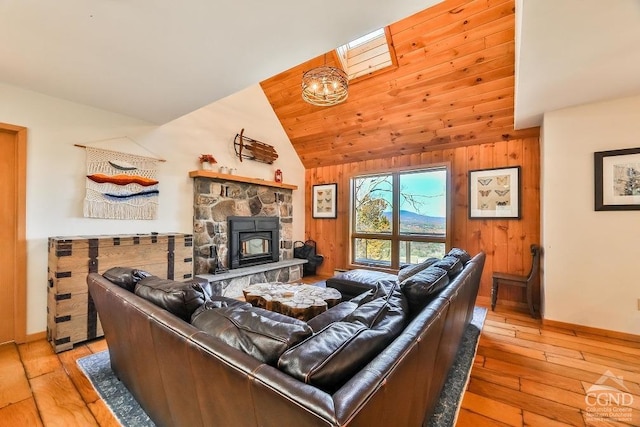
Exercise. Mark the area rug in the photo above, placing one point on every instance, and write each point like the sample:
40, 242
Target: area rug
97, 368
128, 412
447, 408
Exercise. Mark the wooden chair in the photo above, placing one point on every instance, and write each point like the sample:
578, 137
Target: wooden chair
526, 282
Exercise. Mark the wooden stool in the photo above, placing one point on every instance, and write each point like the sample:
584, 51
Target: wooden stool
521, 281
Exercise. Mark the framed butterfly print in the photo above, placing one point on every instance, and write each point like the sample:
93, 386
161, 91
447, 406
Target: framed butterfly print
325, 200
494, 193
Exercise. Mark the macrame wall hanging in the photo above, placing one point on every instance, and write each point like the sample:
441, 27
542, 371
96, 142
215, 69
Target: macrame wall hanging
120, 185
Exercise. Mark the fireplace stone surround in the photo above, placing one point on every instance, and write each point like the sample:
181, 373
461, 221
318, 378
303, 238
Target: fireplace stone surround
219, 196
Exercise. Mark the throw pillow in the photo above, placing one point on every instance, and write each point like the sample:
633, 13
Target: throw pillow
125, 277
450, 263
461, 254
409, 271
422, 287
262, 334
181, 299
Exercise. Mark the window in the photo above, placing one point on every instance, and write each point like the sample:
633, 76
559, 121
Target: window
367, 54
399, 218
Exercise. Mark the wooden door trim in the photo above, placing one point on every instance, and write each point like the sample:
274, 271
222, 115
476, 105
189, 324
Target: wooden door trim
20, 273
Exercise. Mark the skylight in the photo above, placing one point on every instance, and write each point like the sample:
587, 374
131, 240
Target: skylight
366, 54
364, 39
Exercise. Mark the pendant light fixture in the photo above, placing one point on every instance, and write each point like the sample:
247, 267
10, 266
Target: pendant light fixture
325, 86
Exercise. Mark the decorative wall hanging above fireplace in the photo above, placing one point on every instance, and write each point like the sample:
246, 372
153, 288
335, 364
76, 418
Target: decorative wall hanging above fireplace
248, 148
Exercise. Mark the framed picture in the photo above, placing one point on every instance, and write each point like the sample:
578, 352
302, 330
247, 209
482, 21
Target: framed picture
325, 200
617, 180
494, 193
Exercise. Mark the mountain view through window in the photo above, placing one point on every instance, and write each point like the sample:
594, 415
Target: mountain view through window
399, 218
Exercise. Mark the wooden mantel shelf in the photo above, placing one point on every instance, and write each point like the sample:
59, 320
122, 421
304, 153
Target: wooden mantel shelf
237, 178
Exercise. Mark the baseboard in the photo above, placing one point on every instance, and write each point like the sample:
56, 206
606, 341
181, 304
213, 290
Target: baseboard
483, 301
591, 330
486, 302
35, 337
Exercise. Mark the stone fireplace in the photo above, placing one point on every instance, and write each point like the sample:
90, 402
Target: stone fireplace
219, 197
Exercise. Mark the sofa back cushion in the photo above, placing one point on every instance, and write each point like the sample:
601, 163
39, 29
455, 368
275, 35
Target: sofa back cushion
334, 354
422, 287
451, 264
383, 310
218, 302
262, 334
461, 254
334, 314
125, 277
410, 270
181, 299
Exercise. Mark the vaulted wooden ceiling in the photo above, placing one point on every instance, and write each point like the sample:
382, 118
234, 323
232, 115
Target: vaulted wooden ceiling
454, 85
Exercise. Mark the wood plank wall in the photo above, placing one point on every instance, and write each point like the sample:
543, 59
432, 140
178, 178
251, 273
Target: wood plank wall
450, 99
506, 242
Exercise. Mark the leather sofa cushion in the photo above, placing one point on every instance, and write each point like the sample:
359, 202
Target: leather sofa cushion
125, 277
201, 284
369, 295
451, 264
262, 334
355, 282
461, 254
342, 310
334, 354
410, 270
380, 311
181, 299
334, 314
422, 287
218, 302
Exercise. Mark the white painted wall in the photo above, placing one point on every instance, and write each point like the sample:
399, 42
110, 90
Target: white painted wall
56, 169
591, 274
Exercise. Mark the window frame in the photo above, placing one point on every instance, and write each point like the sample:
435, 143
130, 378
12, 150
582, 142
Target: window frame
395, 236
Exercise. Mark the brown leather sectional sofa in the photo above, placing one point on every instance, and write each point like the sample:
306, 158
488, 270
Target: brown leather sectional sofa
184, 376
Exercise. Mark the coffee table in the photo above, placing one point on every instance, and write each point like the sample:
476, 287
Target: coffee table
296, 300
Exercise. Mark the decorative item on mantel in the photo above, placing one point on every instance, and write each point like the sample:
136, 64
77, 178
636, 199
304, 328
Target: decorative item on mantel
278, 176
207, 161
248, 148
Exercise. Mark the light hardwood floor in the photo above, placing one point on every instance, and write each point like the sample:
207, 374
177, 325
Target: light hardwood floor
525, 374
529, 374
